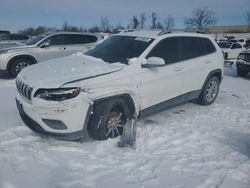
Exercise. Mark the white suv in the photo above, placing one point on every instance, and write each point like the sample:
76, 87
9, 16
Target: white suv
128, 74
44, 47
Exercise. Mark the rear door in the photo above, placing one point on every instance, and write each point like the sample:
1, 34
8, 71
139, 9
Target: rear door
197, 59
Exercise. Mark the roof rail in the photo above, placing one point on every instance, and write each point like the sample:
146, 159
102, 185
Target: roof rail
166, 31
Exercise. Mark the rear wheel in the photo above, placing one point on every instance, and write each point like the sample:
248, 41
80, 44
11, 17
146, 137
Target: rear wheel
210, 91
108, 119
18, 64
241, 73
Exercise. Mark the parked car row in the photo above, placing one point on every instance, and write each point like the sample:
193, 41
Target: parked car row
44, 47
130, 74
232, 47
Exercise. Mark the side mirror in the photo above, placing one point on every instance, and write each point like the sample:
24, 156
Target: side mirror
44, 45
154, 62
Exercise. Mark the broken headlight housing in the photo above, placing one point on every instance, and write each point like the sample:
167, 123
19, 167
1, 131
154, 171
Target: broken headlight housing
59, 94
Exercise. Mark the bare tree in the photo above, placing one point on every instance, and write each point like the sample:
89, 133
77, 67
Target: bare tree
105, 24
159, 25
135, 23
65, 26
248, 18
154, 20
142, 20
169, 23
30, 31
201, 19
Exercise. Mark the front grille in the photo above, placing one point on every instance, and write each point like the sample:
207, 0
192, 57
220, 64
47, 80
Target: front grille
24, 89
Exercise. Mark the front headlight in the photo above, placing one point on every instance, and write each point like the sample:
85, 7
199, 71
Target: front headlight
59, 94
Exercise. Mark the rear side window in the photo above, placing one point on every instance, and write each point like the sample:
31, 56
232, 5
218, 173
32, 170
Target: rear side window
192, 47
80, 39
208, 46
168, 49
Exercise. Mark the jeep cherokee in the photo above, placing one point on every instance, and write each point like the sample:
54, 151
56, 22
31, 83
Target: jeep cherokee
129, 74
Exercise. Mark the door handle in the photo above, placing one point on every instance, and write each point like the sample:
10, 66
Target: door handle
207, 62
64, 48
177, 69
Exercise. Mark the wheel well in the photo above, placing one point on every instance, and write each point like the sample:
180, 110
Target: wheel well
126, 97
217, 73
20, 56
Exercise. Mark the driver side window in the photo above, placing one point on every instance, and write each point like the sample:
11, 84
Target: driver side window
56, 40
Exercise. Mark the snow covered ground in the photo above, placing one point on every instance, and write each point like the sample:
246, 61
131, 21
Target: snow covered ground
189, 146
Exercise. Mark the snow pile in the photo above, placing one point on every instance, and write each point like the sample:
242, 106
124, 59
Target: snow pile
187, 146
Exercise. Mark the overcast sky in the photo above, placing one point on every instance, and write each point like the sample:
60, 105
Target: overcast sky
20, 14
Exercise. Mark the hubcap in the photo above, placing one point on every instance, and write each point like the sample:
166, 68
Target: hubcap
212, 90
21, 65
114, 124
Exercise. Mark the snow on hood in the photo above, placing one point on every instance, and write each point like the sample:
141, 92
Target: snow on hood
56, 72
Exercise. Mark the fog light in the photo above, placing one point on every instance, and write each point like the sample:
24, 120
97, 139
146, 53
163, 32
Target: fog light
55, 124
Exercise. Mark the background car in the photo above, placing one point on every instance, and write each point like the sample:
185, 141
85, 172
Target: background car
243, 63
230, 50
44, 47
11, 39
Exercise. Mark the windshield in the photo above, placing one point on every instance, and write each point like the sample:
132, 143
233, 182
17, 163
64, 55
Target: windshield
34, 40
225, 45
120, 48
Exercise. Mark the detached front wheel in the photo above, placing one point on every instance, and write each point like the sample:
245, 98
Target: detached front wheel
108, 119
18, 64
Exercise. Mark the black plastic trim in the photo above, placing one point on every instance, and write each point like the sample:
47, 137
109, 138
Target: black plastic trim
169, 103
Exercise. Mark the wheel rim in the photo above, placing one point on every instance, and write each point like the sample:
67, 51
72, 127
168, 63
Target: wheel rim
114, 123
212, 90
21, 65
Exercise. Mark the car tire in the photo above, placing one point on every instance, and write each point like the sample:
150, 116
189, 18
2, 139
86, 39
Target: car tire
226, 55
241, 73
209, 91
108, 119
18, 64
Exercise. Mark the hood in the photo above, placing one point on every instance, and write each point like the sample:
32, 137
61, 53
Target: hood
57, 72
13, 46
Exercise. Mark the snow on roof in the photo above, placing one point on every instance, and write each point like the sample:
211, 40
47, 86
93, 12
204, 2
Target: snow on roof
141, 33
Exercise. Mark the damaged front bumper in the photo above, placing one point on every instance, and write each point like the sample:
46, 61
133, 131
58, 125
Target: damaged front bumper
67, 120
